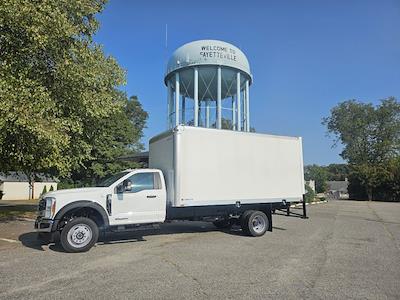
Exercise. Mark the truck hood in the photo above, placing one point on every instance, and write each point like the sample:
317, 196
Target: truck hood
80, 191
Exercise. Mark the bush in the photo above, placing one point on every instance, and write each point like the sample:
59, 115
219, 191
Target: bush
51, 188
310, 195
68, 183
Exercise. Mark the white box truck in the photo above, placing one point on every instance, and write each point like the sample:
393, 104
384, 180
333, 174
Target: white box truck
227, 177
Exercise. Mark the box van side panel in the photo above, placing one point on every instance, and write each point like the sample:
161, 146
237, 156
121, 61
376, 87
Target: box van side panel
161, 156
218, 167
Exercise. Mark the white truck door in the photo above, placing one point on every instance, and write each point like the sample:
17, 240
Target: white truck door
141, 200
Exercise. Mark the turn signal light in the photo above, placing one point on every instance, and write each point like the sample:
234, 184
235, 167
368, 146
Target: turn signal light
53, 208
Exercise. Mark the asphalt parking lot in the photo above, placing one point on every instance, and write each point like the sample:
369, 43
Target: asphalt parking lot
346, 249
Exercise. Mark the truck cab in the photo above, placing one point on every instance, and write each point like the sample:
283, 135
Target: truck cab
138, 197
129, 198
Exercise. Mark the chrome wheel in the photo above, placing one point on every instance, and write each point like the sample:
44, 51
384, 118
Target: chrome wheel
258, 224
79, 235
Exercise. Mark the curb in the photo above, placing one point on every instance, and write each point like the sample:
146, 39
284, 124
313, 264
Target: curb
25, 219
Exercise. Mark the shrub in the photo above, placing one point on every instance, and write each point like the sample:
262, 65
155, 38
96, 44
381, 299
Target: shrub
310, 195
44, 191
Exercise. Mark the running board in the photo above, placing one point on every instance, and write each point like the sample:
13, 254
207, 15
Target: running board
134, 227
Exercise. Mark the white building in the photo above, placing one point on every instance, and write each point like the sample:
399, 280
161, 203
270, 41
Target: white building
311, 184
15, 186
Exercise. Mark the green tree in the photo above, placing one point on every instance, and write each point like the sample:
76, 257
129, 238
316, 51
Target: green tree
319, 174
56, 84
371, 176
338, 171
115, 136
370, 136
393, 184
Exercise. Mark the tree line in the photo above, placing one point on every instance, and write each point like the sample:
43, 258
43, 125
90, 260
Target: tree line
370, 135
322, 174
61, 109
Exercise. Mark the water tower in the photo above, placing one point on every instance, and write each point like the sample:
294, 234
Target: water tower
208, 85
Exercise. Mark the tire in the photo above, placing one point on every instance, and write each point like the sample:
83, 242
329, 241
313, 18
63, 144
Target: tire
222, 224
79, 235
244, 220
257, 223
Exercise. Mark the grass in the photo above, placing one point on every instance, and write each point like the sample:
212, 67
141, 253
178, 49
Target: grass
14, 210
10, 215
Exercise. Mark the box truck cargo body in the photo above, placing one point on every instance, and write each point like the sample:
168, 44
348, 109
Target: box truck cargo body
218, 167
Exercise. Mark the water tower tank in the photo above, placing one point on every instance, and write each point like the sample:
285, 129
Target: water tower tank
208, 85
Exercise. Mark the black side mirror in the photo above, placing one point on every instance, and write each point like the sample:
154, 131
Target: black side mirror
120, 188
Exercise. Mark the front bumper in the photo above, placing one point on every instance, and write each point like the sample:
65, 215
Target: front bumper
43, 225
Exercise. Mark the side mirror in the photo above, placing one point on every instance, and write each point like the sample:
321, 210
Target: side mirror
125, 186
120, 188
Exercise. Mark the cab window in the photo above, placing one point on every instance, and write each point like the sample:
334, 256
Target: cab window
140, 182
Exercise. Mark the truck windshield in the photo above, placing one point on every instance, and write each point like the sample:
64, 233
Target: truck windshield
111, 179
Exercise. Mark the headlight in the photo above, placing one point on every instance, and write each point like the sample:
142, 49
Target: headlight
50, 207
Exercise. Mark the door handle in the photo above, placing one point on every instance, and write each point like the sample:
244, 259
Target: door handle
151, 196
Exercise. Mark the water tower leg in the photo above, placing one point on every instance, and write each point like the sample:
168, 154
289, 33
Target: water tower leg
183, 119
244, 126
196, 97
199, 116
177, 94
233, 113
238, 121
207, 113
170, 104
247, 106
219, 109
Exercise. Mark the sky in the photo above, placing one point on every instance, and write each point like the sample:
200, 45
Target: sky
305, 57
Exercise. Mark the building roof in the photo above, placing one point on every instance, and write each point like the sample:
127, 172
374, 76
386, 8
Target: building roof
21, 177
142, 157
340, 186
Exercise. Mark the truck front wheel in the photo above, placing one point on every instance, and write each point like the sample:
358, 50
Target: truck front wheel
79, 235
255, 223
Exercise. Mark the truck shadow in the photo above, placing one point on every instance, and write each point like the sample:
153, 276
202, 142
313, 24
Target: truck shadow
31, 240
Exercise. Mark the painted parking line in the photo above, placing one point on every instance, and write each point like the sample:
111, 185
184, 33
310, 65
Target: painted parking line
9, 240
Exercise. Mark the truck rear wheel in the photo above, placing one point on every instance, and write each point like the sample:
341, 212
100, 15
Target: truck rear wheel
255, 223
244, 221
79, 235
